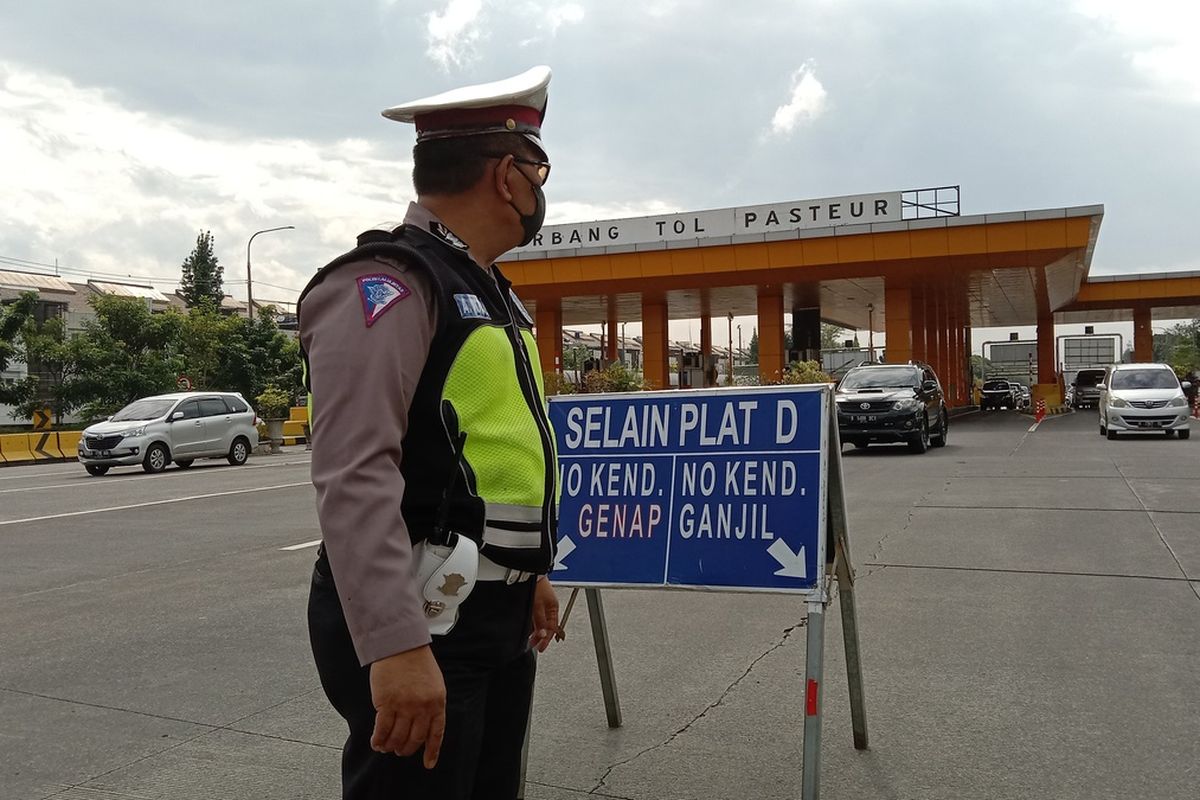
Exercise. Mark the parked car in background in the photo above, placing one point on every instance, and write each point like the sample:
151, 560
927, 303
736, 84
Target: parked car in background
1143, 397
1087, 388
182, 427
997, 393
1023, 394
892, 403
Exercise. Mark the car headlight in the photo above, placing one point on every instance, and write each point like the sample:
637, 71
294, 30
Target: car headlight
1117, 402
907, 405
133, 432
1178, 402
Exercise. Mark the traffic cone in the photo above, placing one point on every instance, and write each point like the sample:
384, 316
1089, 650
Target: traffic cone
1041, 410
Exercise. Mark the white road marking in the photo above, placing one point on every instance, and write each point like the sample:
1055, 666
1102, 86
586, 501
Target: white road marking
153, 503
81, 481
1033, 427
304, 546
26, 475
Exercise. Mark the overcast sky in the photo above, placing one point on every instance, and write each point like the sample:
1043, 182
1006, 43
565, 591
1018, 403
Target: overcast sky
128, 126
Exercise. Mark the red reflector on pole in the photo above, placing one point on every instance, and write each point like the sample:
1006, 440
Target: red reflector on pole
812, 698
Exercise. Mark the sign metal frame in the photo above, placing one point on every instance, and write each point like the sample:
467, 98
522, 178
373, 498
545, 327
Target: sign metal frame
833, 564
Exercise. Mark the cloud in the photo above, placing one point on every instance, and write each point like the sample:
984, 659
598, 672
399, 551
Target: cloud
563, 14
455, 33
1161, 39
806, 103
102, 187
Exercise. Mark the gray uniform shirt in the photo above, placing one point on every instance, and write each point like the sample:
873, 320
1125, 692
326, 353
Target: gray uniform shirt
367, 329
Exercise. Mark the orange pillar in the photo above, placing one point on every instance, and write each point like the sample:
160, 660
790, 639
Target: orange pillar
938, 333
655, 352
770, 333
549, 335
1143, 334
919, 350
897, 320
1047, 368
611, 332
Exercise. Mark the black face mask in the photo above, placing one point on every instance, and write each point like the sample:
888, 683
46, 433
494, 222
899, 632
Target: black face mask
531, 223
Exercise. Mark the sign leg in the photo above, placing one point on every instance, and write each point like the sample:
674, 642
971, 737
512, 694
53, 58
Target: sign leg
814, 676
854, 675
608, 682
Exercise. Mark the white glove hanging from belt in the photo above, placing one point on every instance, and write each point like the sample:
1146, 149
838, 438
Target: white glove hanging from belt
446, 575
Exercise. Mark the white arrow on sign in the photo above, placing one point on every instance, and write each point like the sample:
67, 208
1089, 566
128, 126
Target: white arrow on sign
793, 563
565, 548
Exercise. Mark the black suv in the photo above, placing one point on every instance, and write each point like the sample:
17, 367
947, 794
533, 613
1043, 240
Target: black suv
892, 403
997, 393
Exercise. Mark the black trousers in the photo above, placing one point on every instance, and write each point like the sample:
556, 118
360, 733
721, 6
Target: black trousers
488, 668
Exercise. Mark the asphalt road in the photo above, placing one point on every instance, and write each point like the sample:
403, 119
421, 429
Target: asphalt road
1028, 603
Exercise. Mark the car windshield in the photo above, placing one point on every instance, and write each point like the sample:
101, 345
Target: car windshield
992, 386
1144, 379
1090, 378
894, 378
143, 409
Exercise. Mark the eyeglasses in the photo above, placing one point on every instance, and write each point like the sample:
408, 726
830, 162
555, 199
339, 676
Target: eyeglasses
543, 167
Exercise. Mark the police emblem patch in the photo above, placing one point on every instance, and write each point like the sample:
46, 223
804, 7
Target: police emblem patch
471, 307
379, 293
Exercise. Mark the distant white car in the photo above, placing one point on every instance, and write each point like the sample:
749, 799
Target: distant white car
1143, 397
181, 427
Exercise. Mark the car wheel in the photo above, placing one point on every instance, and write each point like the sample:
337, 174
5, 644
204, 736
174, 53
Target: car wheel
1111, 434
1169, 433
920, 442
239, 451
96, 469
1103, 428
184, 463
1185, 434
156, 459
943, 432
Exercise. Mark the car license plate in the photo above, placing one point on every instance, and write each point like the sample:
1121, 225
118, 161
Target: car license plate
864, 417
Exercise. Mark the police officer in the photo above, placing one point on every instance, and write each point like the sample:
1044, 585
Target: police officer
434, 462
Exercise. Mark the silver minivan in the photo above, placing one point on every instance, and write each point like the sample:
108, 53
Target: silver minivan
1143, 397
181, 427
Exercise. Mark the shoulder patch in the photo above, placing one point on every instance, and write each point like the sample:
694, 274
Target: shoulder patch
471, 307
379, 293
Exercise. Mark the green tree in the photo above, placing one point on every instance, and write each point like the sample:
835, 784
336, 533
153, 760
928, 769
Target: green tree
205, 333
128, 352
831, 336
53, 360
202, 276
752, 348
13, 317
255, 354
575, 355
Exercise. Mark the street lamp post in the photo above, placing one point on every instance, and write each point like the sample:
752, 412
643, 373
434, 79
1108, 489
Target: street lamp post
249, 284
729, 378
871, 331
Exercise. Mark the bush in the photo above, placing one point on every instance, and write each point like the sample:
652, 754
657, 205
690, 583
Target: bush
616, 377
557, 383
273, 403
804, 372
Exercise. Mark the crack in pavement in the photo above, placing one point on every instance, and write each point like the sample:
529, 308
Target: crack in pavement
1161, 536
787, 633
872, 559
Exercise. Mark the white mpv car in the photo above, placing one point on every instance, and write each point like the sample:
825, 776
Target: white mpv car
182, 427
1143, 397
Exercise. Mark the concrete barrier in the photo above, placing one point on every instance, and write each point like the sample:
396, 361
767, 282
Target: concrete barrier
68, 443
15, 447
44, 445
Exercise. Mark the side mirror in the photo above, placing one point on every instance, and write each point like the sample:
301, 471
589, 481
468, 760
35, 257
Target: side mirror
1102, 386
929, 386
109, 417
1185, 385
176, 415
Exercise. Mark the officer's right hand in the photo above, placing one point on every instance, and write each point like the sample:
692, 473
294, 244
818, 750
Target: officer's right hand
409, 696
